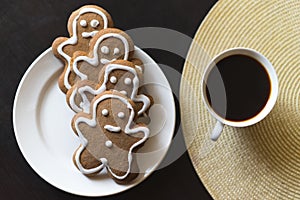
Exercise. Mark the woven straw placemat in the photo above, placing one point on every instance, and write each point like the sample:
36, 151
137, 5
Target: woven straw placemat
261, 161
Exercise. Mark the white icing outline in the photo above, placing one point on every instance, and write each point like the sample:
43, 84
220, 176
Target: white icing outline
73, 40
81, 168
94, 61
73, 104
93, 122
85, 104
137, 67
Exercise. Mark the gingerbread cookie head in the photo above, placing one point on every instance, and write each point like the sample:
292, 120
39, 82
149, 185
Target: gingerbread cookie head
87, 21
109, 135
107, 45
112, 44
120, 76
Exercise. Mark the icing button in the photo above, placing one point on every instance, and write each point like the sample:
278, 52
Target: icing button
108, 144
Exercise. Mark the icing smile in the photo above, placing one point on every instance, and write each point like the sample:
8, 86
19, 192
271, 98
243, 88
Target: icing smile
89, 34
105, 61
114, 129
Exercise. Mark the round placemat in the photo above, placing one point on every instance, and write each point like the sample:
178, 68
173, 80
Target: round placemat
261, 161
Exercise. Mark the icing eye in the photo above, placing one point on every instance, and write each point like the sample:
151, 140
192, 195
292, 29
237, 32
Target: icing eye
127, 81
121, 115
94, 23
116, 51
104, 112
113, 79
83, 23
105, 50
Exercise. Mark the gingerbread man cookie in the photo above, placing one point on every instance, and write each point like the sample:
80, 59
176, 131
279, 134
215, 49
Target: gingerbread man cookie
119, 75
83, 24
109, 135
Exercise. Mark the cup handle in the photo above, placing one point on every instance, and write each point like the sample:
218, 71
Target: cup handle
216, 132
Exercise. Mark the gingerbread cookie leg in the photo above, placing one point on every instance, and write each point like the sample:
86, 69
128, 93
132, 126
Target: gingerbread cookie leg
86, 162
134, 172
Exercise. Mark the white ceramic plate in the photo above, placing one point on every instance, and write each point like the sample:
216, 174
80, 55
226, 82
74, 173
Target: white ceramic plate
42, 127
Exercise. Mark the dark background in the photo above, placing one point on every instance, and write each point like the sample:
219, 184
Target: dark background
27, 28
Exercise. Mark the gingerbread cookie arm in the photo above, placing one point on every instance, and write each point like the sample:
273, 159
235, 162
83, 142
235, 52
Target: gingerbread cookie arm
58, 41
68, 78
77, 54
80, 96
146, 101
73, 122
63, 57
139, 65
79, 59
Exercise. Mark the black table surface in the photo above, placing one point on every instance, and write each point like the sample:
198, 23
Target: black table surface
29, 27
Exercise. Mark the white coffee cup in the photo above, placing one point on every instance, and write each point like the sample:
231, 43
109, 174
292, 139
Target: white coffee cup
265, 63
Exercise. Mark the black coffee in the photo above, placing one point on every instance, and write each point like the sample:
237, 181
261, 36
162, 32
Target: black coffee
238, 88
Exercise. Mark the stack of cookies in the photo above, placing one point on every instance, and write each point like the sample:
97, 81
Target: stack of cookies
102, 81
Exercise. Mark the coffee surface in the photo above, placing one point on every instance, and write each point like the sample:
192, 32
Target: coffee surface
238, 88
